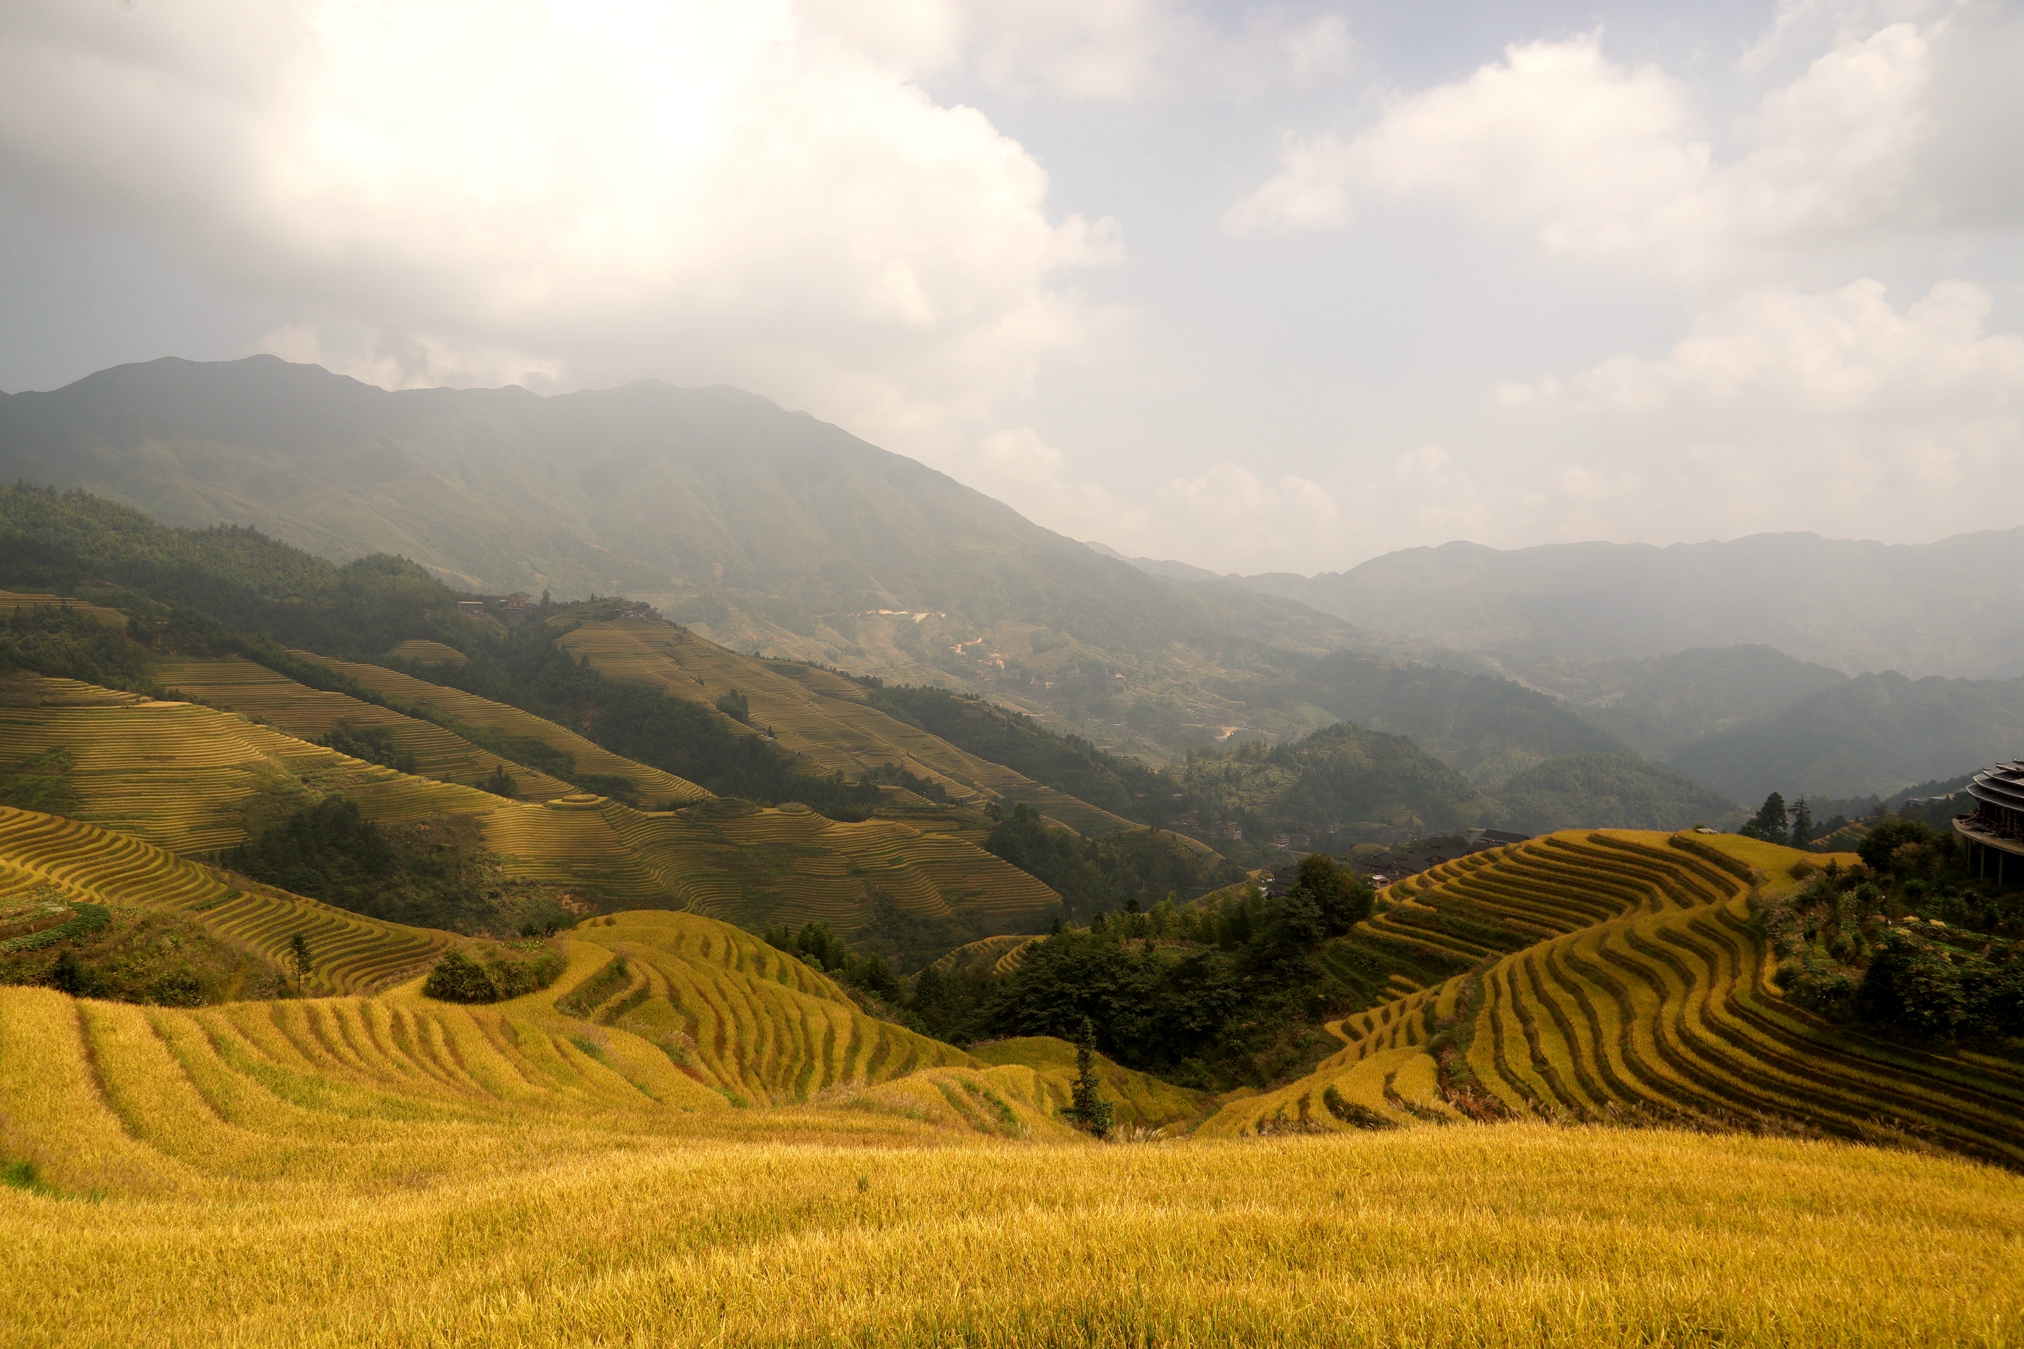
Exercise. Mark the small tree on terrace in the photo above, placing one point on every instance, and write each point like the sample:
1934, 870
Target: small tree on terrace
299, 958
1087, 1109
1769, 823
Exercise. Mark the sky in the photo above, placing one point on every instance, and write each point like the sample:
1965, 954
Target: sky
1256, 287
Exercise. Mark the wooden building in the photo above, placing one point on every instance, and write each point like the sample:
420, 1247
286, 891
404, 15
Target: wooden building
1994, 833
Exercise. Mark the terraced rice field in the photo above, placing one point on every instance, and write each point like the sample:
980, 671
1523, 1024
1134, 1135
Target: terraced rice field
426, 652
724, 1150
10, 600
792, 865
467, 709
351, 953
176, 774
1661, 1001
184, 777
235, 684
994, 955
821, 716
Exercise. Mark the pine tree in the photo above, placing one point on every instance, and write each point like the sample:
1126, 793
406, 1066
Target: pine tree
1769, 823
299, 957
1088, 1110
1802, 824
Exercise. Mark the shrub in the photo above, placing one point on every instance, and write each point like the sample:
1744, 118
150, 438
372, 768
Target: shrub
458, 978
486, 973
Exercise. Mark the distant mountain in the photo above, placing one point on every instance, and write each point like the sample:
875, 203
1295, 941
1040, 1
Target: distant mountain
1952, 608
1661, 703
758, 527
1874, 734
1484, 727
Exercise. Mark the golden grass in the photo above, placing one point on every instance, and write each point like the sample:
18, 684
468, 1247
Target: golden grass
10, 600
1519, 1235
724, 1150
353, 954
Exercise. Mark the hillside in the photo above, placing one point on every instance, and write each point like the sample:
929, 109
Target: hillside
755, 526
198, 780
1660, 704
1872, 735
827, 720
1608, 791
1952, 608
1662, 999
1340, 786
1485, 727
751, 1158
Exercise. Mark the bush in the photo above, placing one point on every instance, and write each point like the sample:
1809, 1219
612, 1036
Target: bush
458, 978
493, 974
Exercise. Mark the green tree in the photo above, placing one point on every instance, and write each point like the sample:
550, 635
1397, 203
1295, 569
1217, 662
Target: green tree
736, 706
1087, 1109
1769, 823
1344, 898
299, 958
500, 783
1802, 824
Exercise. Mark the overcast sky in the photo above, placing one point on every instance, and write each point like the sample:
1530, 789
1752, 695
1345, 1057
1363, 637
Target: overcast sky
1272, 287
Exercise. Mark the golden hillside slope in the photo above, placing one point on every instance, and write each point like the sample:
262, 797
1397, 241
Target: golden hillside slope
714, 1145
235, 684
816, 714
194, 780
79, 863
1648, 990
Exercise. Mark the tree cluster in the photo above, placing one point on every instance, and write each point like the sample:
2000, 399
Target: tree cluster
1093, 875
817, 946
1194, 992
1905, 945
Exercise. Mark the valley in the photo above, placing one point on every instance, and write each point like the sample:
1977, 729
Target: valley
331, 883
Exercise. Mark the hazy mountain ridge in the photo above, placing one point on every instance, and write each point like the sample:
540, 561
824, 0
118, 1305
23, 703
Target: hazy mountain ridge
1873, 731
1954, 608
758, 527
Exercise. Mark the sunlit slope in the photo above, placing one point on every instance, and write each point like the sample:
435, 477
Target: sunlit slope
1501, 901
84, 864
1663, 1004
236, 684
815, 713
467, 709
192, 779
1137, 1100
754, 867
663, 1024
184, 777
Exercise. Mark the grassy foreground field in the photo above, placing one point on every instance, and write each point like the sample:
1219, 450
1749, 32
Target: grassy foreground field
1515, 1235
693, 1138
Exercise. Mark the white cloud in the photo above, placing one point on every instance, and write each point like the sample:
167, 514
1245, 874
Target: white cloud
1900, 126
1234, 520
1311, 191
1783, 410
707, 191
